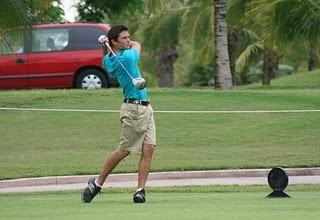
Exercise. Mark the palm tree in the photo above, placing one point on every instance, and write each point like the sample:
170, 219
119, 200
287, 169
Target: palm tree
251, 15
196, 45
278, 24
160, 39
97, 10
298, 20
188, 28
224, 79
160, 34
15, 14
242, 42
286, 21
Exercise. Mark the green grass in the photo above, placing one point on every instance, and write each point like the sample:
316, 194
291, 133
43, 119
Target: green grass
303, 80
64, 143
205, 202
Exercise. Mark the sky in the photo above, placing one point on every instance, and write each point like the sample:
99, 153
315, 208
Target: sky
69, 9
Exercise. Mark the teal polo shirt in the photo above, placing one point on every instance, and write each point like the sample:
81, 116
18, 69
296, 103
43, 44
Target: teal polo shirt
129, 58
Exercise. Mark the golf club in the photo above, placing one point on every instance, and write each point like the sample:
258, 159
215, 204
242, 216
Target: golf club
139, 83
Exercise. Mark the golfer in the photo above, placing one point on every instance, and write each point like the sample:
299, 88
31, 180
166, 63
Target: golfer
136, 114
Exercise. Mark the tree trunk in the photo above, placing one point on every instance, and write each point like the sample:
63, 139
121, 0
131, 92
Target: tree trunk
167, 56
221, 45
270, 65
232, 49
313, 56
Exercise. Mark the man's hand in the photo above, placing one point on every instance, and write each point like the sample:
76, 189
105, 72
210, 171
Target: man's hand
136, 45
103, 39
139, 83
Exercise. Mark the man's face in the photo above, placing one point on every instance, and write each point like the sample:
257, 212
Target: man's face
123, 41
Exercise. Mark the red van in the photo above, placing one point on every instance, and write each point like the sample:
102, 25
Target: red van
55, 56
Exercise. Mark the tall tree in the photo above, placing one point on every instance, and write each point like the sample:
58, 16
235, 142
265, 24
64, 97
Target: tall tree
97, 10
224, 78
160, 38
298, 20
53, 13
160, 35
245, 45
279, 25
195, 36
164, 27
248, 14
17, 13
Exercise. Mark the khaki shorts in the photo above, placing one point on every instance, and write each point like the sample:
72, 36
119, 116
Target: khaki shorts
138, 127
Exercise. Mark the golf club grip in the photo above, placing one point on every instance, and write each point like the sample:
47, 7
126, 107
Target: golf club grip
109, 48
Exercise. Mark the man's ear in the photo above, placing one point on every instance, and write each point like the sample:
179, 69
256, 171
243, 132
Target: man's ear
114, 42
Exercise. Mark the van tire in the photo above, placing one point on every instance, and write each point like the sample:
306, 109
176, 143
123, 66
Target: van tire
91, 79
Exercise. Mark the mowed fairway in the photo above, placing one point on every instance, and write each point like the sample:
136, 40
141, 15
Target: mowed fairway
239, 203
67, 143
43, 143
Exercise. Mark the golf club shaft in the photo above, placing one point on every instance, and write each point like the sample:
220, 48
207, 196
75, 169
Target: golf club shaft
114, 54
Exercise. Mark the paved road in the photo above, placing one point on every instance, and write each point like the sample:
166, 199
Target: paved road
160, 179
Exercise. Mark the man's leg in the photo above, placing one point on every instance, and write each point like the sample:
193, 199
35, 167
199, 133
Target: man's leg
144, 169
145, 164
110, 164
95, 184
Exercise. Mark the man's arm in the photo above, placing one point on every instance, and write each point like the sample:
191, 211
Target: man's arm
136, 45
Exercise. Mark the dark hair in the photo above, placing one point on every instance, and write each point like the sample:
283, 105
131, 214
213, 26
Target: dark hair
114, 32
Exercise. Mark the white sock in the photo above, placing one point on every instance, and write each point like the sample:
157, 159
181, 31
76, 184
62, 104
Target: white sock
139, 189
97, 184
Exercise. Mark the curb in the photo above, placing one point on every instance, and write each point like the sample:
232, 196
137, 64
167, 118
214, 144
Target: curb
117, 178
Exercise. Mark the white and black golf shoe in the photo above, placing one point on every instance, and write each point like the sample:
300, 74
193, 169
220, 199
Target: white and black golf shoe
91, 191
139, 196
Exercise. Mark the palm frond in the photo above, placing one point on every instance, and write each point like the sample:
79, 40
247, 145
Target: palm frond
297, 19
250, 52
197, 29
236, 11
163, 30
154, 8
15, 14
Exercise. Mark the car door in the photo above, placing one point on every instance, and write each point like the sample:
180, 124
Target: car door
50, 60
13, 63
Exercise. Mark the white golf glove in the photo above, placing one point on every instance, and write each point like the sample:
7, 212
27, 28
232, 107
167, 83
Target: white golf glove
139, 83
103, 39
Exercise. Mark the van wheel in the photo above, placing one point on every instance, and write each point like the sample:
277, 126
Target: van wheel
91, 79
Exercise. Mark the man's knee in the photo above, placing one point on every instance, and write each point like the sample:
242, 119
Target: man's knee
122, 153
148, 149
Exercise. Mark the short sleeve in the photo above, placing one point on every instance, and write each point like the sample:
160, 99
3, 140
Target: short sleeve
132, 54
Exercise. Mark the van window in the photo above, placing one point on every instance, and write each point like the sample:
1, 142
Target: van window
86, 38
51, 39
12, 44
